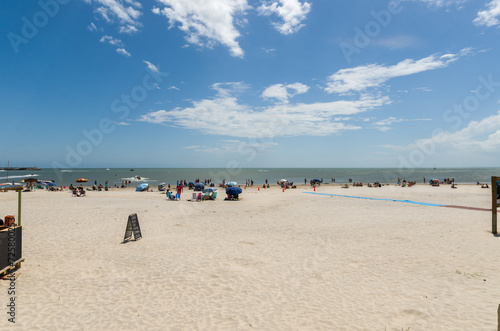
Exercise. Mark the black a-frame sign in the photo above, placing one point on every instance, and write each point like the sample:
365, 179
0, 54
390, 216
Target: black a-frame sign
133, 228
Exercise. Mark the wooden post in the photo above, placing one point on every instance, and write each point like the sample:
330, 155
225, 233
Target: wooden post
494, 204
19, 207
498, 314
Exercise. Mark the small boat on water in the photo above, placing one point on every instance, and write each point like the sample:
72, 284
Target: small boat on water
82, 180
107, 169
132, 170
138, 177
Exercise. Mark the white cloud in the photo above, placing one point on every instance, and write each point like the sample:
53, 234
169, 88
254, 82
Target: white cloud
423, 89
128, 29
92, 27
441, 3
174, 88
224, 115
373, 75
127, 12
234, 147
206, 23
281, 92
151, 66
397, 42
478, 136
122, 51
385, 125
291, 13
111, 41
268, 50
489, 16
123, 123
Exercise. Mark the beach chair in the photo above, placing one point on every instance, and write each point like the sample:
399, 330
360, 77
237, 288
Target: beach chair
198, 197
75, 193
210, 196
82, 193
170, 196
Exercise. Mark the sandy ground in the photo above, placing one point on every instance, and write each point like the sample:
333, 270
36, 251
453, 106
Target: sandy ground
271, 261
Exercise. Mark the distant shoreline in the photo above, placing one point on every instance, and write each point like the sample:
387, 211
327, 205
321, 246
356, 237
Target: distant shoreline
19, 168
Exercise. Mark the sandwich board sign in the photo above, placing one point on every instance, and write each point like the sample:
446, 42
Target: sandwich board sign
133, 228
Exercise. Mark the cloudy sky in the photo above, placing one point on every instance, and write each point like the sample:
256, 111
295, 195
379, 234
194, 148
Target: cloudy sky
253, 83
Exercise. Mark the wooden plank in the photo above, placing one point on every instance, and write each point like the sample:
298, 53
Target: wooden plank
14, 265
9, 276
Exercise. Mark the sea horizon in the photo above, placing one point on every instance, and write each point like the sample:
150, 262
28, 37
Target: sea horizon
155, 176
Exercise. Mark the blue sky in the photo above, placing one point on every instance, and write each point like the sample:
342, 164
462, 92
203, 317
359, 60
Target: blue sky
243, 83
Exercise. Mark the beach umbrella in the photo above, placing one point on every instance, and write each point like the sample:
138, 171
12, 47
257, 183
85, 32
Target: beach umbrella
233, 191
191, 184
232, 184
283, 181
316, 180
199, 186
142, 187
44, 182
30, 180
209, 189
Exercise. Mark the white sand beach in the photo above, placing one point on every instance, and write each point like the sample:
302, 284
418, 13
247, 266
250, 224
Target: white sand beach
271, 261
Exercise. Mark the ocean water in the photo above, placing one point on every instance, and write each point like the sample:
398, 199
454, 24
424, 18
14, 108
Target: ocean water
240, 175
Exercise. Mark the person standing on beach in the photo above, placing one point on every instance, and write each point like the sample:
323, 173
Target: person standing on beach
179, 190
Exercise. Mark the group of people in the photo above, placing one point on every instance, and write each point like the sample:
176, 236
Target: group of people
99, 187
78, 191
